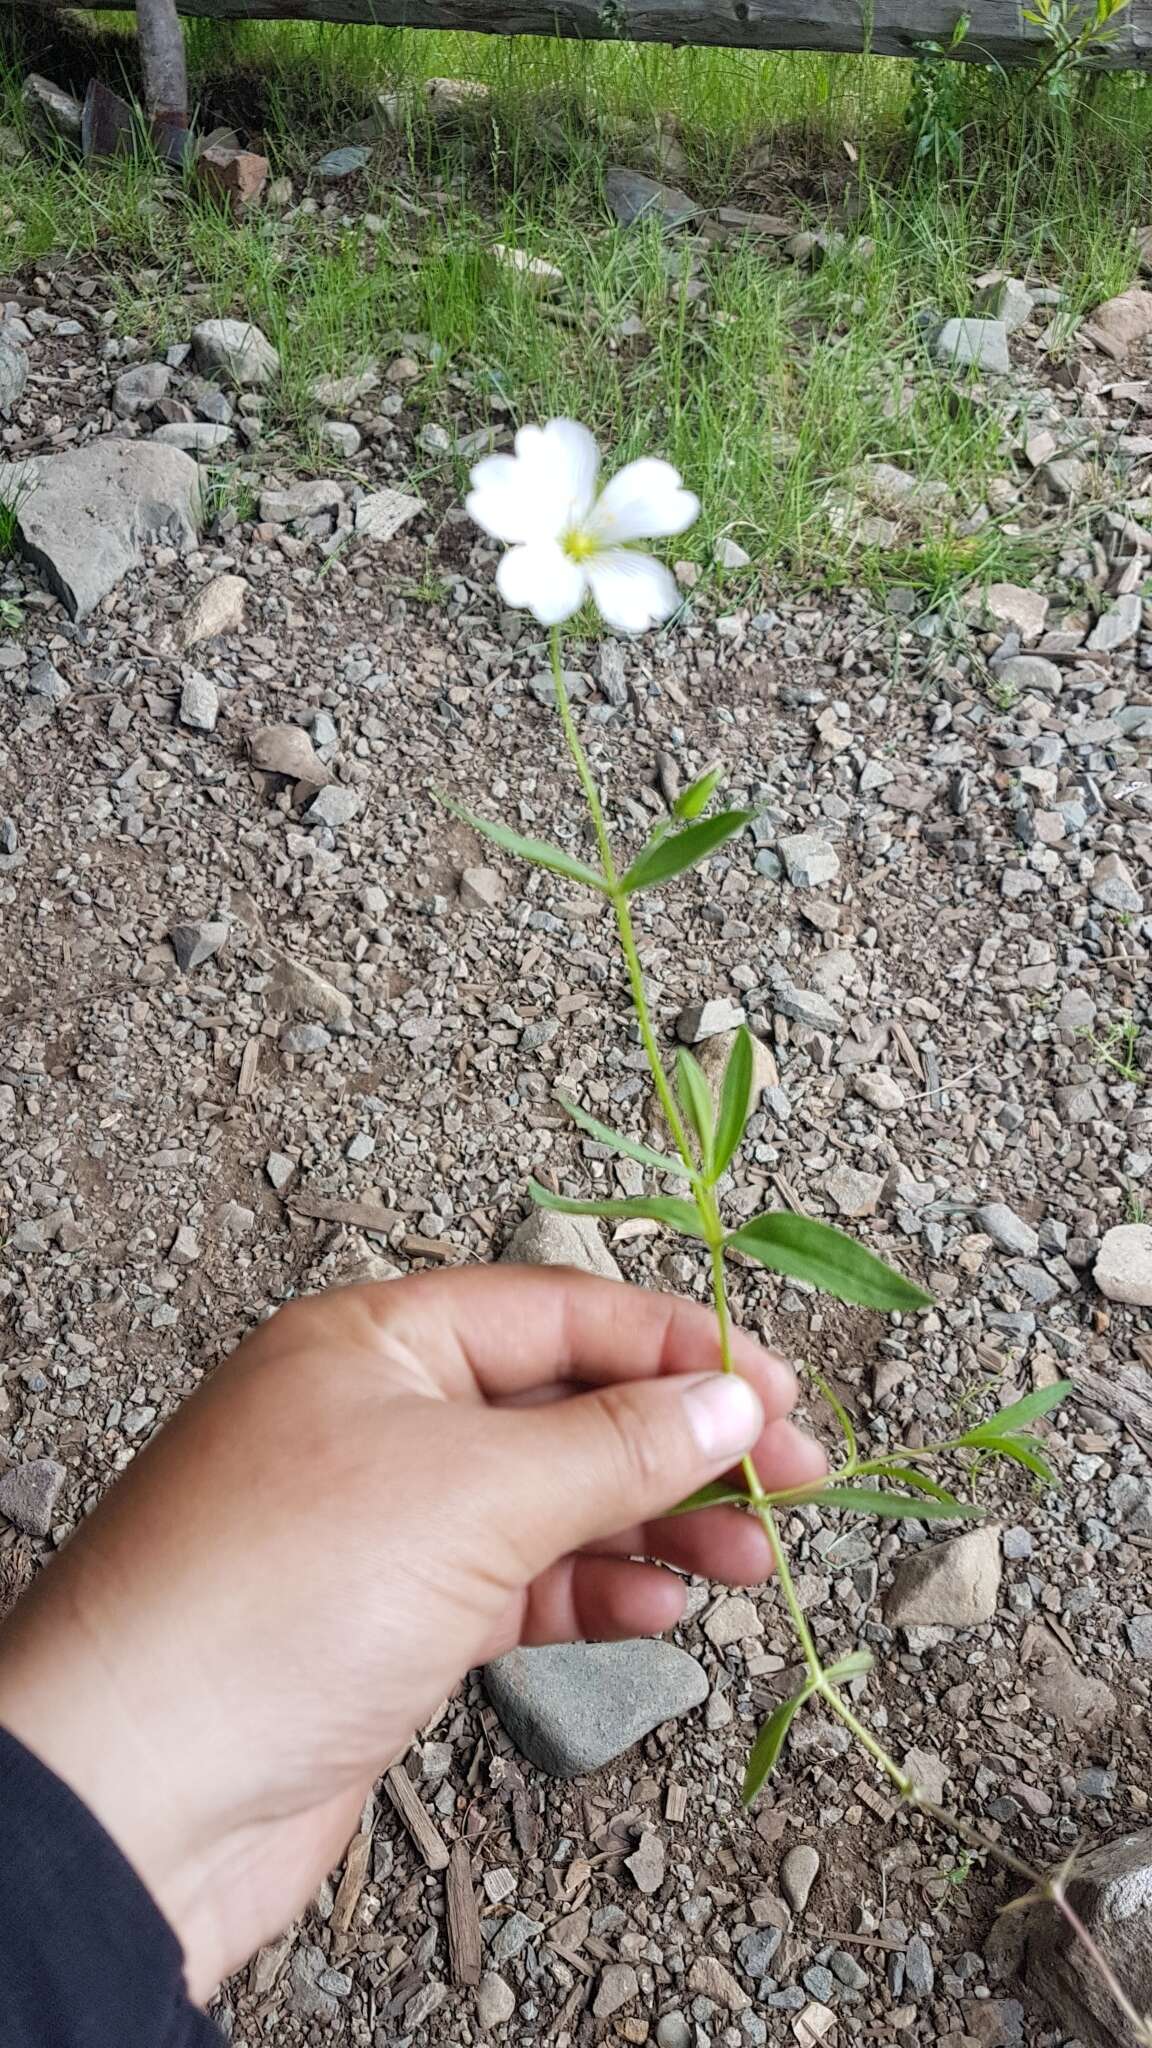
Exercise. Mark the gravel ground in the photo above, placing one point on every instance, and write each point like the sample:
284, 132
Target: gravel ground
362, 1056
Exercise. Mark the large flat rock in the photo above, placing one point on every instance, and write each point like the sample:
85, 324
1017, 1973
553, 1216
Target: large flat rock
85, 517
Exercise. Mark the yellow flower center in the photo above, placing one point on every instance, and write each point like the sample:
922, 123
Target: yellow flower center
579, 546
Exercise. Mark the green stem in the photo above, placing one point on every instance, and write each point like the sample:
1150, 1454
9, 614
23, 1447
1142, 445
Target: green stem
623, 915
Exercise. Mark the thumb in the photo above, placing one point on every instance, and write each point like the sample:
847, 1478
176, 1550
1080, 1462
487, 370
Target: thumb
578, 1470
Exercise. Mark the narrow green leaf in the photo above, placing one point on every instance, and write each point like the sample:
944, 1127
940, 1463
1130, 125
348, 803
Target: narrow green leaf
683, 849
698, 795
735, 1101
696, 1101
630, 1147
907, 1475
870, 1500
1021, 1449
1020, 1413
668, 1209
847, 1430
836, 1264
768, 1744
538, 851
719, 1493
857, 1664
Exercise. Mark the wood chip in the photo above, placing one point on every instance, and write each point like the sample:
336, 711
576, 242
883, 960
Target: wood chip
436, 1248
352, 1882
416, 1818
366, 1215
464, 1948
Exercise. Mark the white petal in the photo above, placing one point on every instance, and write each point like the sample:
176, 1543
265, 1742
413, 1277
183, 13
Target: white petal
645, 502
560, 463
509, 514
542, 580
631, 591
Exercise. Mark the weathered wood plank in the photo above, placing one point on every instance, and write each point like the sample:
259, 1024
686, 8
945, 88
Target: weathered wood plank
998, 31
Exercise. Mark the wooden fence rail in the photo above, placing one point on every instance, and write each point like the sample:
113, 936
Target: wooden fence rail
890, 28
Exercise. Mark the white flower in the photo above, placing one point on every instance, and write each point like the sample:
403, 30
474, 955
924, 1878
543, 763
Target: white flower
563, 541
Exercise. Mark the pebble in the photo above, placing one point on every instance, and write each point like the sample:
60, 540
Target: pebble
546, 1238
853, 1193
199, 703
495, 2001
193, 944
708, 1977
1006, 1229
482, 889
573, 1707
974, 344
512, 1935
237, 352
674, 2031
29, 1492
728, 554
1117, 626
1113, 886
756, 1951
335, 806
138, 390
708, 1020
618, 1986
1123, 1269
798, 1874
731, 1621
880, 1090
919, 1970
809, 860
954, 1584
216, 610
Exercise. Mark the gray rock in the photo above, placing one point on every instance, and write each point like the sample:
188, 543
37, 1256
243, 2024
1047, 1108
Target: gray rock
1017, 609
572, 1707
950, 1585
804, 1006
13, 375
542, 686
707, 1020
1113, 886
199, 702
342, 436
288, 750
756, 1951
974, 345
512, 1935
632, 197
139, 389
298, 991
674, 2031
1028, 672
1139, 1634
880, 1090
798, 1874
1017, 1544
481, 889
306, 1996
307, 500
193, 944
53, 110
728, 553
1110, 1889
1008, 300
809, 860
618, 1986
854, 1193
28, 1495
304, 1038
195, 437
1123, 1269
547, 1238
381, 514
1117, 626
1130, 1502
1007, 1230
215, 610
495, 2001
335, 806
93, 510
235, 352
919, 1970
343, 163
45, 680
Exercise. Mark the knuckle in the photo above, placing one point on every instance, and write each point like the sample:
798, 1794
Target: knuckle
635, 1446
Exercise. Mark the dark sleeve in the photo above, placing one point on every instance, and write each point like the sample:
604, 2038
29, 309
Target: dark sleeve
86, 1958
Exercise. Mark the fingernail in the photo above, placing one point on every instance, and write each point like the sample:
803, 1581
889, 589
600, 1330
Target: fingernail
724, 1414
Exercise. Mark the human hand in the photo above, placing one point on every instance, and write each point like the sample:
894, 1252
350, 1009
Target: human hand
383, 1487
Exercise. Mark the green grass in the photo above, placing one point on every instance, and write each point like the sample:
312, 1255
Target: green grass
771, 399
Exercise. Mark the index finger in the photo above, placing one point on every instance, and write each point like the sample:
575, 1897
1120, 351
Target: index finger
518, 1328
